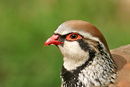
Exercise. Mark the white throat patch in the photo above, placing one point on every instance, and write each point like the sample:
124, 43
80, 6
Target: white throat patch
73, 55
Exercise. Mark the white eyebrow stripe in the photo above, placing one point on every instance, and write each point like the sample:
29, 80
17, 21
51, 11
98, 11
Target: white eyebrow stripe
63, 30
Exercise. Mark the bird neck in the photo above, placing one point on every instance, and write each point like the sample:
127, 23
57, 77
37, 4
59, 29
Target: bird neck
98, 70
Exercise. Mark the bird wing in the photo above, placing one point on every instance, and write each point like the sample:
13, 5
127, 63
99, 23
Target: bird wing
121, 56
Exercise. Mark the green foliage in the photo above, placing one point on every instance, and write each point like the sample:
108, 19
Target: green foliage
26, 24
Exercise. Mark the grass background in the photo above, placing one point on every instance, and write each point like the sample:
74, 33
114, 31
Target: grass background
26, 24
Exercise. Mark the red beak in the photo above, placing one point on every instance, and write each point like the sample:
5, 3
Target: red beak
53, 40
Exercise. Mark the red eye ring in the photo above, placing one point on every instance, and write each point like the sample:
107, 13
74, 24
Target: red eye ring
73, 37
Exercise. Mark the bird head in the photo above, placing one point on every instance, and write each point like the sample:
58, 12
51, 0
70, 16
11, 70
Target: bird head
77, 40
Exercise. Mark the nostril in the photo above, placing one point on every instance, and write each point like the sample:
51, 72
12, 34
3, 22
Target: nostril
55, 37
53, 40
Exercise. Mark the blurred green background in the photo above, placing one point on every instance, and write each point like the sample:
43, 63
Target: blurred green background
26, 24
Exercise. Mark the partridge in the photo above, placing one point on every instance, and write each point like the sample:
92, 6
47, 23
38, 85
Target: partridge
88, 62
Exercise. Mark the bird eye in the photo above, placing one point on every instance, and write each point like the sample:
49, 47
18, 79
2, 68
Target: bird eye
73, 37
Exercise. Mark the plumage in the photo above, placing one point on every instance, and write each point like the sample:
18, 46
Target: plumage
87, 59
